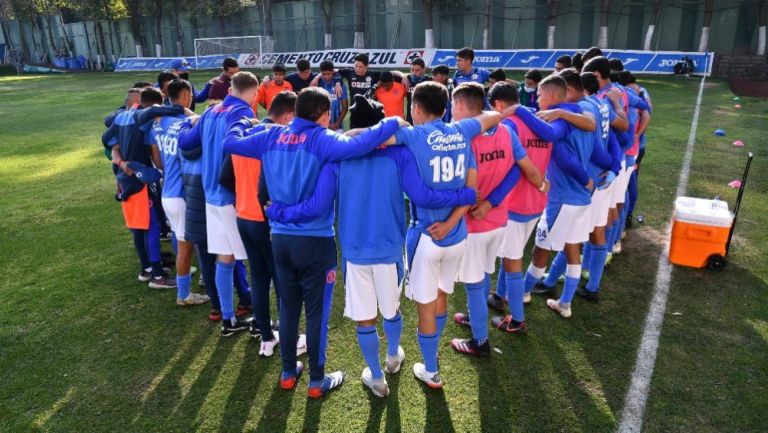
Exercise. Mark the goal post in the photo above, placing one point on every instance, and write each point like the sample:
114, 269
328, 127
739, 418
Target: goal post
231, 46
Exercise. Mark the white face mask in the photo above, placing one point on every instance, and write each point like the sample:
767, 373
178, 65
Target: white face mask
529, 89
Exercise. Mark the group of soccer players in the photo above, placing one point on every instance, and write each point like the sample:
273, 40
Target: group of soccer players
480, 162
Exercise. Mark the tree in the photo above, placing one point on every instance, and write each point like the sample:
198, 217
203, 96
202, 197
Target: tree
552, 6
359, 41
327, 25
177, 4
157, 12
602, 39
134, 12
429, 29
652, 26
704, 40
270, 43
761, 29
487, 25
99, 11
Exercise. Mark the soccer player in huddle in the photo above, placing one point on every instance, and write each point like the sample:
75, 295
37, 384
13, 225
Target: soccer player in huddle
269, 89
219, 86
563, 62
305, 253
436, 238
529, 89
641, 129
221, 216
465, 72
440, 74
562, 226
391, 94
417, 75
339, 103
372, 254
165, 132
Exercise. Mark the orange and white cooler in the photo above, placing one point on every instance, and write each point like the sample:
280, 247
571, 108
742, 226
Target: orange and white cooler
700, 230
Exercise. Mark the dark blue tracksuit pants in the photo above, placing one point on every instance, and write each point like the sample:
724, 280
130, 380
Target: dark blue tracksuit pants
258, 247
306, 274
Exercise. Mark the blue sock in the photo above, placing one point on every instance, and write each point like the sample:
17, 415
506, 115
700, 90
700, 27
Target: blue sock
613, 234
487, 285
530, 281
556, 269
441, 319
478, 311
182, 285
368, 338
516, 290
428, 347
596, 265
393, 329
224, 277
572, 277
501, 283
586, 252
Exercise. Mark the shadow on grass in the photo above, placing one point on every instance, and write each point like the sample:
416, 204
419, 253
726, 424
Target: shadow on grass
252, 372
274, 416
391, 403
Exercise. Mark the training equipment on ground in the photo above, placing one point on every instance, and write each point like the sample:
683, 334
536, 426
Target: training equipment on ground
702, 229
233, 46
720, 132
736, 183
737, 106
738, 143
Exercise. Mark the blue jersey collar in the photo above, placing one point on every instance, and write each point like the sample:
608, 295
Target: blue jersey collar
234, 100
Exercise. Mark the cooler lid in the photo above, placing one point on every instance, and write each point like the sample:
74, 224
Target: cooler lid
703, 211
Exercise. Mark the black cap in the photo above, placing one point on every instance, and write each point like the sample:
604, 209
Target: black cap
365, 112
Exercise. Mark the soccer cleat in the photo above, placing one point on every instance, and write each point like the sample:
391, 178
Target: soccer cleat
192, 270
432, 380
215, 315
267, 348
192, 299
378, 387
608, 259
393, 363
254, 330
461, 319
527, 298
161, 283
470, 346
555, 306
165, 237
145, 276
616, 248
497, 302
234, 325
588, 295
288, 381
542, 290
330, 382
243, 310
301, 345
585, 275
509, 325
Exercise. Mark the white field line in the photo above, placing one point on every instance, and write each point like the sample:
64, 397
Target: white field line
634, 406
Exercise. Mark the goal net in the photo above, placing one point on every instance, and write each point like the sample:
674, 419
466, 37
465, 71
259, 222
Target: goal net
214, 48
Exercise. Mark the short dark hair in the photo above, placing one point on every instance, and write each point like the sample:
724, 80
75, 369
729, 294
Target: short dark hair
229, 62
431, 96
473, 95
284, 102
590, 83
362, 57
164, 77
572, 78
176, 87
386, 77
624, 77
505, 92
244, 80
419, 62
466, 53
441, 69
565, 59
141, 85
312, 103
577, 61
326, 65
534, 74
592, 53
278, 67
303, 65
599, 65
150, 96
631, 77
556, 83
498, 75
616, 64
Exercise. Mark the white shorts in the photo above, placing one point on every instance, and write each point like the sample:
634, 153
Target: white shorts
480, 255
622, 182
569, 227
367, 286
516, 235
223, 236
432, 267
176, 211
598, 209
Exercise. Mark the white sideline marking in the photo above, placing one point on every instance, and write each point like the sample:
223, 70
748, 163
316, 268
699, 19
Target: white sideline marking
634, 405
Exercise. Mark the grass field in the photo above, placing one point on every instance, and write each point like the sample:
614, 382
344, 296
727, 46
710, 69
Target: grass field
84, 347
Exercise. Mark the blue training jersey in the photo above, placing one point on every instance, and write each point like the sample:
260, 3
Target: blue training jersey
477, 75
209, 131
443, 153
165, 133
292, 157
335, 102
600, 112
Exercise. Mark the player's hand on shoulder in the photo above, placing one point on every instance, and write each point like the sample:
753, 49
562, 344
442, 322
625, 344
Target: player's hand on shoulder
402, 122
193, 118
614, 94
338, 90
510, 111
481, 209
550, 115
189, 112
